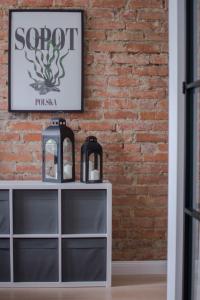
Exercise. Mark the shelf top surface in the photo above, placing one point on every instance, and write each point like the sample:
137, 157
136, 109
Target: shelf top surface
34, 184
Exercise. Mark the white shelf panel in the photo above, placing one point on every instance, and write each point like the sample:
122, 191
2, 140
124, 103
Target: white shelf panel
4, 236
76, 236
26, 184
38, 236
52, 284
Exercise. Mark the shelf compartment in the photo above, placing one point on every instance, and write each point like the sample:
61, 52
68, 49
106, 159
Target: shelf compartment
83, 211
35, 260
4, 260
35, 212
84, 260
4, 212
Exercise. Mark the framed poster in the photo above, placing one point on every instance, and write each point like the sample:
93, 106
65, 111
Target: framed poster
46, 60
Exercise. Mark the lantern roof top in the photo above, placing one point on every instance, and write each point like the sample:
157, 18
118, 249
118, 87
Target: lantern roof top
91, 144
58, 128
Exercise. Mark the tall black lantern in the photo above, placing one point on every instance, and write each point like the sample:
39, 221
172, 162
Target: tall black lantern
58, 152
91, 161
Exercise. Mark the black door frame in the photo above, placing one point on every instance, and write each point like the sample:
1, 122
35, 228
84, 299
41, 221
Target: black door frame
189, 88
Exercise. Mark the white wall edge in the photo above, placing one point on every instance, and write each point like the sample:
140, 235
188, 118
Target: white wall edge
176, 169
150, 267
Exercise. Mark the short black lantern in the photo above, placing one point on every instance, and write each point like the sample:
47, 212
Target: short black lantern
91, 161
58, 152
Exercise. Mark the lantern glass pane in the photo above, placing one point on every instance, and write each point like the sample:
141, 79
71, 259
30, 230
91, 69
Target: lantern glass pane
94, 166
67, 159
51, 159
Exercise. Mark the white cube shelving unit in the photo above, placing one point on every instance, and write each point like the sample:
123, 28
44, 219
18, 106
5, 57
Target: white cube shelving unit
55, 234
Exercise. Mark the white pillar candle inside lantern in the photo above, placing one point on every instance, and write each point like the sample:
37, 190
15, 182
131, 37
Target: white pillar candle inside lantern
94, 175
68, 171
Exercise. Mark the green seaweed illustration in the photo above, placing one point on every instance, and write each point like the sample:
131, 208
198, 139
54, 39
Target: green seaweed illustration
48, 69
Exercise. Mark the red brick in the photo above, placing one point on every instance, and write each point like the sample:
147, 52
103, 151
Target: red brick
143, 26
149, 168
102, 24
160, 126
143, 48
4, 59
99, 81
4, 105
35, 3
132, 147
31, 177
151, 212
157, 83
103, 58
8, 2
144, 137
149, 148
89, 59
25, 126
33, 169
120, 115
17, 157
162, 105
143, 15
72, 3
151, 70
106, 47
94, 126
145, 4
125, 58
156, 157
163, 147
86, 116
129, 15
152, 179
95, 35
6, 167
100, 13
108, 3
32, 137
150, 94
93, 105
113, 92
124, 36
124, 81
117, 104
110, 169
153, 115
149, 36
136, 125
6, 137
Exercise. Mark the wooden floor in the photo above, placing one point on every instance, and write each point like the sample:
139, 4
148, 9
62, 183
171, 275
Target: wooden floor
123, 288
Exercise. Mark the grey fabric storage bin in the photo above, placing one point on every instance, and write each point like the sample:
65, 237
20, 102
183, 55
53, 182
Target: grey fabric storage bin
35, 260
84, 259
35, 211
4, 260
4, 212
83, 211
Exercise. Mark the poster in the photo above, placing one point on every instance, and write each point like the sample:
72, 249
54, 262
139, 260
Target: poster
46, 60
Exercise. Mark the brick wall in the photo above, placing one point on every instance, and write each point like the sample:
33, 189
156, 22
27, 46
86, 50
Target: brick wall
126, 77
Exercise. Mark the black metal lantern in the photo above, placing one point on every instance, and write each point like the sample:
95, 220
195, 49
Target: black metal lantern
91, 161
58, 152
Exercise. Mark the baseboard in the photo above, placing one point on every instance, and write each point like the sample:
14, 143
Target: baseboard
157, 267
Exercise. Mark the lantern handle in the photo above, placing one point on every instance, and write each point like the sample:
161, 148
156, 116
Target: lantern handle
91, 138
